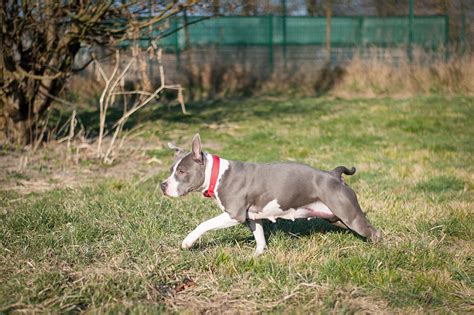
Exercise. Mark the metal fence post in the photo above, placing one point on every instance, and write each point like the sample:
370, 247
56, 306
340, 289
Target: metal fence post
360, 39
328, 31
446, 37
463, 33
148, 57
284, 32
270, 42
176, 43
410, 31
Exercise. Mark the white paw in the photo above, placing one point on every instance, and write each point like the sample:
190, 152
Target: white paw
258, 251
188, 242
186, 245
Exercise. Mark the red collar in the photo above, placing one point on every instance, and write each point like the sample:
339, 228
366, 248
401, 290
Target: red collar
214, 174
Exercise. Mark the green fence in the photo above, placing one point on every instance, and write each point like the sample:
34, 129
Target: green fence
428, 31
276, 40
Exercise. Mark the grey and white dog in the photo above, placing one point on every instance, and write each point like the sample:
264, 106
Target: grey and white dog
252, 192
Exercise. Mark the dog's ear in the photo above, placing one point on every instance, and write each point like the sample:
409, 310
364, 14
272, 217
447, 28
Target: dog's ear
177, 150
196, 148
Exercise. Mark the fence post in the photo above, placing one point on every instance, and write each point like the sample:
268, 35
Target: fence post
270, 41
176, 43
328, 30
284, 31
410, 31
360, 41
463, 32
446, 37
148, 57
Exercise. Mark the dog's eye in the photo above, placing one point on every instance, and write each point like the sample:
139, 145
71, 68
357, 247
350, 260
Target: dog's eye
180, 171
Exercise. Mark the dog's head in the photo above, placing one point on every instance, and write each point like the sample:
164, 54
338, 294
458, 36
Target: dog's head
187, 171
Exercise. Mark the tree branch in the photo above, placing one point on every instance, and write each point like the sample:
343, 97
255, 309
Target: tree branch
38, 77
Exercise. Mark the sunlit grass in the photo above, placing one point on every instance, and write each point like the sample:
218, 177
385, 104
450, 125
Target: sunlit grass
115, 245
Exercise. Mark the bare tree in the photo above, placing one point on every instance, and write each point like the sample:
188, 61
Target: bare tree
40, 40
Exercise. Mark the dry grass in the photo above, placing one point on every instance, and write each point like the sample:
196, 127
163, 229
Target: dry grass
390, 77
380, 72
58, 164
368, 77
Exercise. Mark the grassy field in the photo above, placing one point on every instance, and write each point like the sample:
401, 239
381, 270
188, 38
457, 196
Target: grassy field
115, 245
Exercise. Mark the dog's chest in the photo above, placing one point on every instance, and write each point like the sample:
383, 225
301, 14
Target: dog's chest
223, 168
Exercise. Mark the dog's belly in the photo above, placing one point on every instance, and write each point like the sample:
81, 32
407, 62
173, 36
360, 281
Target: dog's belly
272, 211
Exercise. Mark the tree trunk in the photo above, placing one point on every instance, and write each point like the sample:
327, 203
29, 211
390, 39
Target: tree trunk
23, 101
14, 111
25, 97
15, 124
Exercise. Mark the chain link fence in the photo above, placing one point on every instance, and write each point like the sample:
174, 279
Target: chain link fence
279, 40
219, 51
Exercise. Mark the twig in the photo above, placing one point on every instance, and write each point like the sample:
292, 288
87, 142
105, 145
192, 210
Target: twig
132, 92
103, 98
72, 127
109, 92
39, 138
59, 99
38, 77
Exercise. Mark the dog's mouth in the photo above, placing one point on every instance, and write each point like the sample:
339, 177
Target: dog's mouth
187, 191
179, 194
176, 196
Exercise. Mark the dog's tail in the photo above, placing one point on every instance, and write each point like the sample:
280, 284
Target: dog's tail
338, 171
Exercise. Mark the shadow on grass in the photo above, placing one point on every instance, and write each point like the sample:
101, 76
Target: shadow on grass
296, 229
304, 227
200, 112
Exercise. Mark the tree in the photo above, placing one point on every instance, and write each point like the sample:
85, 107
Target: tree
40, 40
314, 7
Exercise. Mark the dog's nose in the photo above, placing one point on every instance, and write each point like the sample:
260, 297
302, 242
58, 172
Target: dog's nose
163, 186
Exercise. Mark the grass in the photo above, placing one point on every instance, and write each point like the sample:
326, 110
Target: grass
114, 246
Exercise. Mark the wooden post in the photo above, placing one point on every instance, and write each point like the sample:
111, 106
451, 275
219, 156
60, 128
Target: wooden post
463, 29
328, 29
360, 34
270, 42
446, 37
410, 30
284, 31
176, 43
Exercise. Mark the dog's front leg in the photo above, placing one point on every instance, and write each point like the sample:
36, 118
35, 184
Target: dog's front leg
221, 221
257, 230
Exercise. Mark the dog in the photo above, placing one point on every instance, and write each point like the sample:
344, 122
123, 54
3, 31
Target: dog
251, 192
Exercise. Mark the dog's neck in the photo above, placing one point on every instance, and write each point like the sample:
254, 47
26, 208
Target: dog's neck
207, 171
224, 165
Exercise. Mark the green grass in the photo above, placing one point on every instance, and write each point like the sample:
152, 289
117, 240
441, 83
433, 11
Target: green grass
114, 246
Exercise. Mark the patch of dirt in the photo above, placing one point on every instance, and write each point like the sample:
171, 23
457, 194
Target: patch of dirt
57, 165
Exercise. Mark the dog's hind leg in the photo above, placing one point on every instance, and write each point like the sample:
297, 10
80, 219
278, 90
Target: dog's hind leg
339, 224
343, 203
